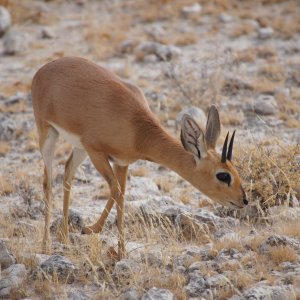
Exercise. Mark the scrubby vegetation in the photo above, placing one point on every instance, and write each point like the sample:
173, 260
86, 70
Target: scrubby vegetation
241, 55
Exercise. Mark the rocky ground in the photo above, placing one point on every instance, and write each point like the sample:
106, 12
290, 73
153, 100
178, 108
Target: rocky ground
242, 55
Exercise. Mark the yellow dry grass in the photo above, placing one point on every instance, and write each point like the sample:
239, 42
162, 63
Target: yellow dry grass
6, 186
4, 148
281, 254
140, 172
271, 175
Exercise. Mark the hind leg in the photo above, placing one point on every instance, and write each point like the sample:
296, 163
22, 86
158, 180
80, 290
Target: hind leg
47, 139
76, 158
121, 174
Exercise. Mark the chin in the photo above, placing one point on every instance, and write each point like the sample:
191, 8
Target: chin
231, 204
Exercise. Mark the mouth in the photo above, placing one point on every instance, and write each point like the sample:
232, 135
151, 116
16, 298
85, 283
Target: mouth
236, 206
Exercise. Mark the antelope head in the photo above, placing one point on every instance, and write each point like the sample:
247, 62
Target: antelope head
214, 174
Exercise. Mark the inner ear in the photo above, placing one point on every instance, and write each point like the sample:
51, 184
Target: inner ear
192, 137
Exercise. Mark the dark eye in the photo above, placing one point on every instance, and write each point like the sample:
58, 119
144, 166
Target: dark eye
224, 177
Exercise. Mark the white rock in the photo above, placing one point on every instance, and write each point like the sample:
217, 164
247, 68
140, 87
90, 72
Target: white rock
218, 282
253, 23
125, 270
265, 33
7, 128
265, 105
153, 258
163, 52
78, 295
196, 285
130, 294
151, 58
47, 33
158, 294
6, 258
191, 10
276, 240
61, 266
15, 42
12, 278
5, 20
75, 222
197, 113
225, 18
265, 292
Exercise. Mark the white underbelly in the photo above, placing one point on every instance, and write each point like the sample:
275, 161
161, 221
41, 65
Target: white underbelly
73, 139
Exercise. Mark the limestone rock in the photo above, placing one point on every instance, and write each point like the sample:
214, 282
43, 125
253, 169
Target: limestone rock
124, 270
15, 42
158, 294
270, 293
75, 222
225, 18
265, 33
196, 285
65, 270
7, 128
6, 258
12, 278
279, 240
191, 10
5, 20
265, 105
197, 113
78, 295
162, 52
46, 33
130, 294
153, 258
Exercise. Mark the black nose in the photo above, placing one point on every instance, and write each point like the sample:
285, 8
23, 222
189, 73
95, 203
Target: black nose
245, 200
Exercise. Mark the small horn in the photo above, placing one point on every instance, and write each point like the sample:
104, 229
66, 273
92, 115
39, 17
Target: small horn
229, 153
224, 151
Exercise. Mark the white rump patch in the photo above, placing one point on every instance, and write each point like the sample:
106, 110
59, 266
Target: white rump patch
73, 139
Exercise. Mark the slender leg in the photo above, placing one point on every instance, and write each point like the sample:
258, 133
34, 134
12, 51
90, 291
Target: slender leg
47, 145
121, 174
101, 163
76, 158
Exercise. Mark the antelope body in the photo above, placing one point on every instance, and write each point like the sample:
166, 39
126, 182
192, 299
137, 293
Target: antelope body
110, 120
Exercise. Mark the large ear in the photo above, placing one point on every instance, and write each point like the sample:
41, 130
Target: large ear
192, 137
213, 127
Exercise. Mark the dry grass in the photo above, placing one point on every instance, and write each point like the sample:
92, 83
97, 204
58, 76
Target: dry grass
286, 27
140, 172
104, 38
28, 11
228, 243
6, 186
241, 29
172, 281
164, 184
273, 72
271, 175
4, 148
281, 254
247, 55
290, 229
241, 279
20, 107
234, 118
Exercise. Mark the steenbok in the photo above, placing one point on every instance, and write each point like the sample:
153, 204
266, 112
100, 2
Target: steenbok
109, 120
